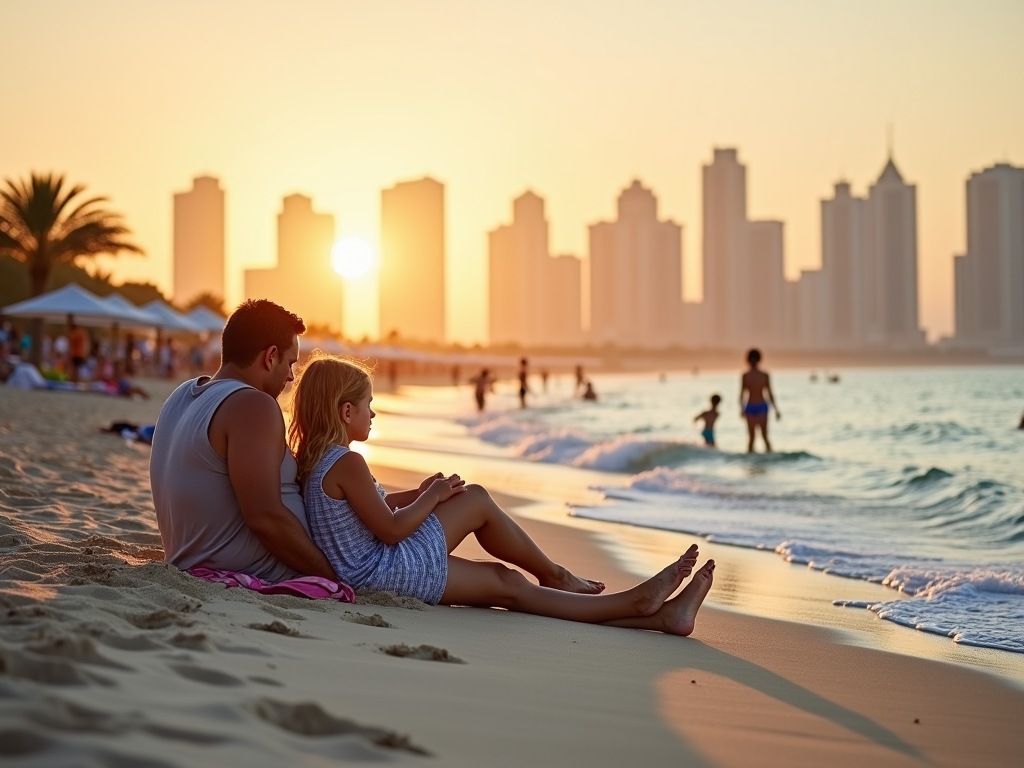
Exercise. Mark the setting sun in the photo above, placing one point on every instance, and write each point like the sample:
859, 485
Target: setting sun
352, 257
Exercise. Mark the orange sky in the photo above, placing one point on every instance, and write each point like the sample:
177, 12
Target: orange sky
571, 99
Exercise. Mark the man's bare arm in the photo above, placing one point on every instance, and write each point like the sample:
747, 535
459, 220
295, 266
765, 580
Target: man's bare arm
254, 436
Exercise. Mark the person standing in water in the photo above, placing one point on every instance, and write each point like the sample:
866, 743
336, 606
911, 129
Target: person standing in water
524, 372
755, 399
482, 384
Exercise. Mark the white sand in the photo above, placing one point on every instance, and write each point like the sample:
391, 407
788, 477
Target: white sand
110, 658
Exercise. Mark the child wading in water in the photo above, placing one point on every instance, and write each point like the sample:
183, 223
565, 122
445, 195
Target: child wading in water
402, 542
709, 416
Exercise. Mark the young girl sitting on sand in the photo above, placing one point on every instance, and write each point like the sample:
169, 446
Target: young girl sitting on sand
402, 542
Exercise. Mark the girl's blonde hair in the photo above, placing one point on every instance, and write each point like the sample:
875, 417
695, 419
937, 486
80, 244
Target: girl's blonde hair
323, 385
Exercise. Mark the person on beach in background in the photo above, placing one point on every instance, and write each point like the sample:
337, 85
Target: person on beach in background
524, 389
580, 380
755, 399
709, 417
1021, 422
223, 479
589, 393
482, 384
402, 542
78, 348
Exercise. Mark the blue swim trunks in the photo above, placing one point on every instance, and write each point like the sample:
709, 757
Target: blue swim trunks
755, 409
709, 436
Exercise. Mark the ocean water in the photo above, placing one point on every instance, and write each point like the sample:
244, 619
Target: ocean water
910, 478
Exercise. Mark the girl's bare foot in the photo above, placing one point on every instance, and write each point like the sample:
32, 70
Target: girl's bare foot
567, 581
679, 614
653, 593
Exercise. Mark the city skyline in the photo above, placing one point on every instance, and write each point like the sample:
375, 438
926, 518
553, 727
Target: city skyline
340, 100
864, 295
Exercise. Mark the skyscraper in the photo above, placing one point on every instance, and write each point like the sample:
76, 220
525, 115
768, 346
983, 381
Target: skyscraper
810, 295
304, 281
636, 275
412, 261
842, 266
534, 298
990, 277
890, 248
765, 323
726, 278
199, 240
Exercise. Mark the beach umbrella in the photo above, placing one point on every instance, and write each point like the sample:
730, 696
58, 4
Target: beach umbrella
140, 317
207, 319
167, 318
71, 301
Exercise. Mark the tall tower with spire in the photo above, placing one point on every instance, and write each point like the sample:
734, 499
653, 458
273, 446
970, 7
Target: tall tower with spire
842, 267
890, 299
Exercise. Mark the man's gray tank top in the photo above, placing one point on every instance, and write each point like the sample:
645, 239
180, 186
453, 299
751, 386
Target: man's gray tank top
196, 508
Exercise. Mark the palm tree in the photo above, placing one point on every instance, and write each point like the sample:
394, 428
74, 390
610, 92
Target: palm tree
43, 222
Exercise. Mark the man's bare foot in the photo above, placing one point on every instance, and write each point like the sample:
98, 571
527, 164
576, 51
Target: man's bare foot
679, 614
567, 581
653, 593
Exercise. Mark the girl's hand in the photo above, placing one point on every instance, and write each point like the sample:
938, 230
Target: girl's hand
426, 483
446, 487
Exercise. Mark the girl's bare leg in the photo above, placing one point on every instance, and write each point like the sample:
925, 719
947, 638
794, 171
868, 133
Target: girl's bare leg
751, 433
678, 615
476, 512
496, 585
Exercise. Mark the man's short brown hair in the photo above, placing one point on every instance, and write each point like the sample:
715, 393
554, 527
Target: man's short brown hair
256, 325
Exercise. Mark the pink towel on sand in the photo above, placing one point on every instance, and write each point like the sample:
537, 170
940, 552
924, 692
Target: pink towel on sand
313, 587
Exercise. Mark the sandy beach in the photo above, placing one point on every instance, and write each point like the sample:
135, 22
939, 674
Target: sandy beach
108, 657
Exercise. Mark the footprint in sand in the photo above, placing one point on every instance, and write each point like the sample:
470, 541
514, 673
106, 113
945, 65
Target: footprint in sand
18, 742
50, 671
375, 620
80, 649
207, 676
308, 719
159, 619
277, 628
194, 642
266, 681
421, 652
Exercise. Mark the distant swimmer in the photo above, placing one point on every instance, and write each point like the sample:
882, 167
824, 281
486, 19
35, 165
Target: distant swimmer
755, 399
524, 389
589, 393
580, 380
482, 384
709, 417
1021, 422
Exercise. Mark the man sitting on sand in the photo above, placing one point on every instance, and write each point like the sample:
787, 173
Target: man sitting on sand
223, 478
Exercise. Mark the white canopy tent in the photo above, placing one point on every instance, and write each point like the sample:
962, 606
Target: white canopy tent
142, 319
72, 302
167, 318
206, 319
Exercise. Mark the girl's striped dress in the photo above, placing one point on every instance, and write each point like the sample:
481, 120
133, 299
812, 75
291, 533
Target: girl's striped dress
416, 567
